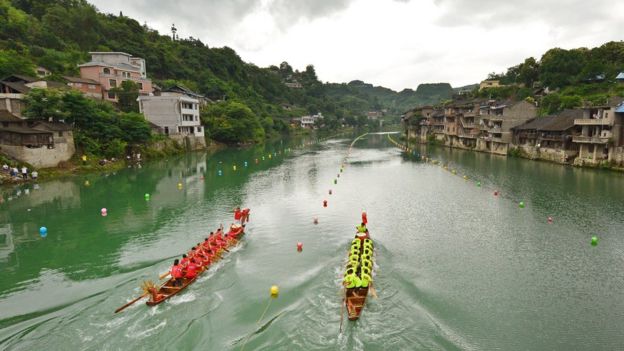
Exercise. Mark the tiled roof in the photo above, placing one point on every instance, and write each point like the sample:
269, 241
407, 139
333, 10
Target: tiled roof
555, 123
23, 130
51, 126
620, 76
20, 78
80, 80
20, 87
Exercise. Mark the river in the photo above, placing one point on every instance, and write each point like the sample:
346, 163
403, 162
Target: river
456, 268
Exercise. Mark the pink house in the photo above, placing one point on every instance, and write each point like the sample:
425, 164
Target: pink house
110, 69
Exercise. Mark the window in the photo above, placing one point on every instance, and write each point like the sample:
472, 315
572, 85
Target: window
188, 118
106, 70
111, 95
125, 74
166, 130
199, 129
113, 83
60, 133
140, 86
78, 85
91, 86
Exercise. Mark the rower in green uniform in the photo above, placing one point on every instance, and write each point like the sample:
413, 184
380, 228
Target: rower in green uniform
365, 279
366, 270
352, 281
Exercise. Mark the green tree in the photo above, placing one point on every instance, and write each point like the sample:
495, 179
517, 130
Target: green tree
232, 122
127, 95
44, 104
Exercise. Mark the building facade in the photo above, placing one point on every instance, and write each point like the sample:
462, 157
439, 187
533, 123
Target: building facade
176, 115
111, 69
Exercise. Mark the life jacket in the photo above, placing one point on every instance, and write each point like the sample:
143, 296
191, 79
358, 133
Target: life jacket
366, 270
365, 279
176, 271
354, 251
352, 281
366, 257
191, 270
367, 251
356, 242
367, 263
368, 241
354, 258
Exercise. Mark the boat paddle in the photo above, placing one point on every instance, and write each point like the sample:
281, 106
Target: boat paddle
342, 305
373, 291
164, 275
130, 303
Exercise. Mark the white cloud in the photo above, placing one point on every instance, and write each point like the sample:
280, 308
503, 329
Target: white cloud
398, 44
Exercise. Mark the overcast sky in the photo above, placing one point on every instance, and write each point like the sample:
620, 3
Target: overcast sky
395, 43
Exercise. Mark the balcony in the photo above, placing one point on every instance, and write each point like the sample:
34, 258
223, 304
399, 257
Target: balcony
590, 139
593, 122
467, 136
553, 138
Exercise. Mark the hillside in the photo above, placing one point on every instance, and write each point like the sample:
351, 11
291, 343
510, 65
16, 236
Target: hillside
58, 35
564, 79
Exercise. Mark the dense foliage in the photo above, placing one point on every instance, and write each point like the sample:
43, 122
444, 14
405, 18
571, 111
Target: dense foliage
98, 128
575, 78
58, 34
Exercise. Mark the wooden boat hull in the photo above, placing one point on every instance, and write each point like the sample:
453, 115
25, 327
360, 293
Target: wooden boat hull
168, 290
355, 300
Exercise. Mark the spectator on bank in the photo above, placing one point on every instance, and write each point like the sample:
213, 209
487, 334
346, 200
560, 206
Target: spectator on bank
34, 175
24, 172
13, 172
5, 167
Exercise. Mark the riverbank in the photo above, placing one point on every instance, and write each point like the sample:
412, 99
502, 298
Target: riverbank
545, 155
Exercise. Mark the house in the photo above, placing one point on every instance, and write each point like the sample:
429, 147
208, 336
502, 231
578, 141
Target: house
42, 72
601, 138
311, 121
180, 89
111, 69
496, 120
41, 144
374, 115
293, 85
620, 78
549, 138
489, 83
13, 88
89, 87
176, 115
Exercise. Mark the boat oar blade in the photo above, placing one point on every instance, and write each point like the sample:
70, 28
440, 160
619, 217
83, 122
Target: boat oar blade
164, 275
130, 303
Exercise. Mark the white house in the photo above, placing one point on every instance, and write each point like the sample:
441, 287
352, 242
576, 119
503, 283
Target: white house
176, 115
310, 121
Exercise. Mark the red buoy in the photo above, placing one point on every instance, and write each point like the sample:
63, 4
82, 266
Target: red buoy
550, 220
496, 193
315, 220
324, 203
299, 247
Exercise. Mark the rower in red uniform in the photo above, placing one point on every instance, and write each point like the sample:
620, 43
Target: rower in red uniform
176, 273
238, 215
184, 261
191, 270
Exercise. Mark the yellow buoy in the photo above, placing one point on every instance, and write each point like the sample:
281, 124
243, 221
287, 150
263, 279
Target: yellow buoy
234, 167
274, 291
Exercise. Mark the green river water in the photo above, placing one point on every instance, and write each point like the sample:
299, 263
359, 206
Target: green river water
456, 267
